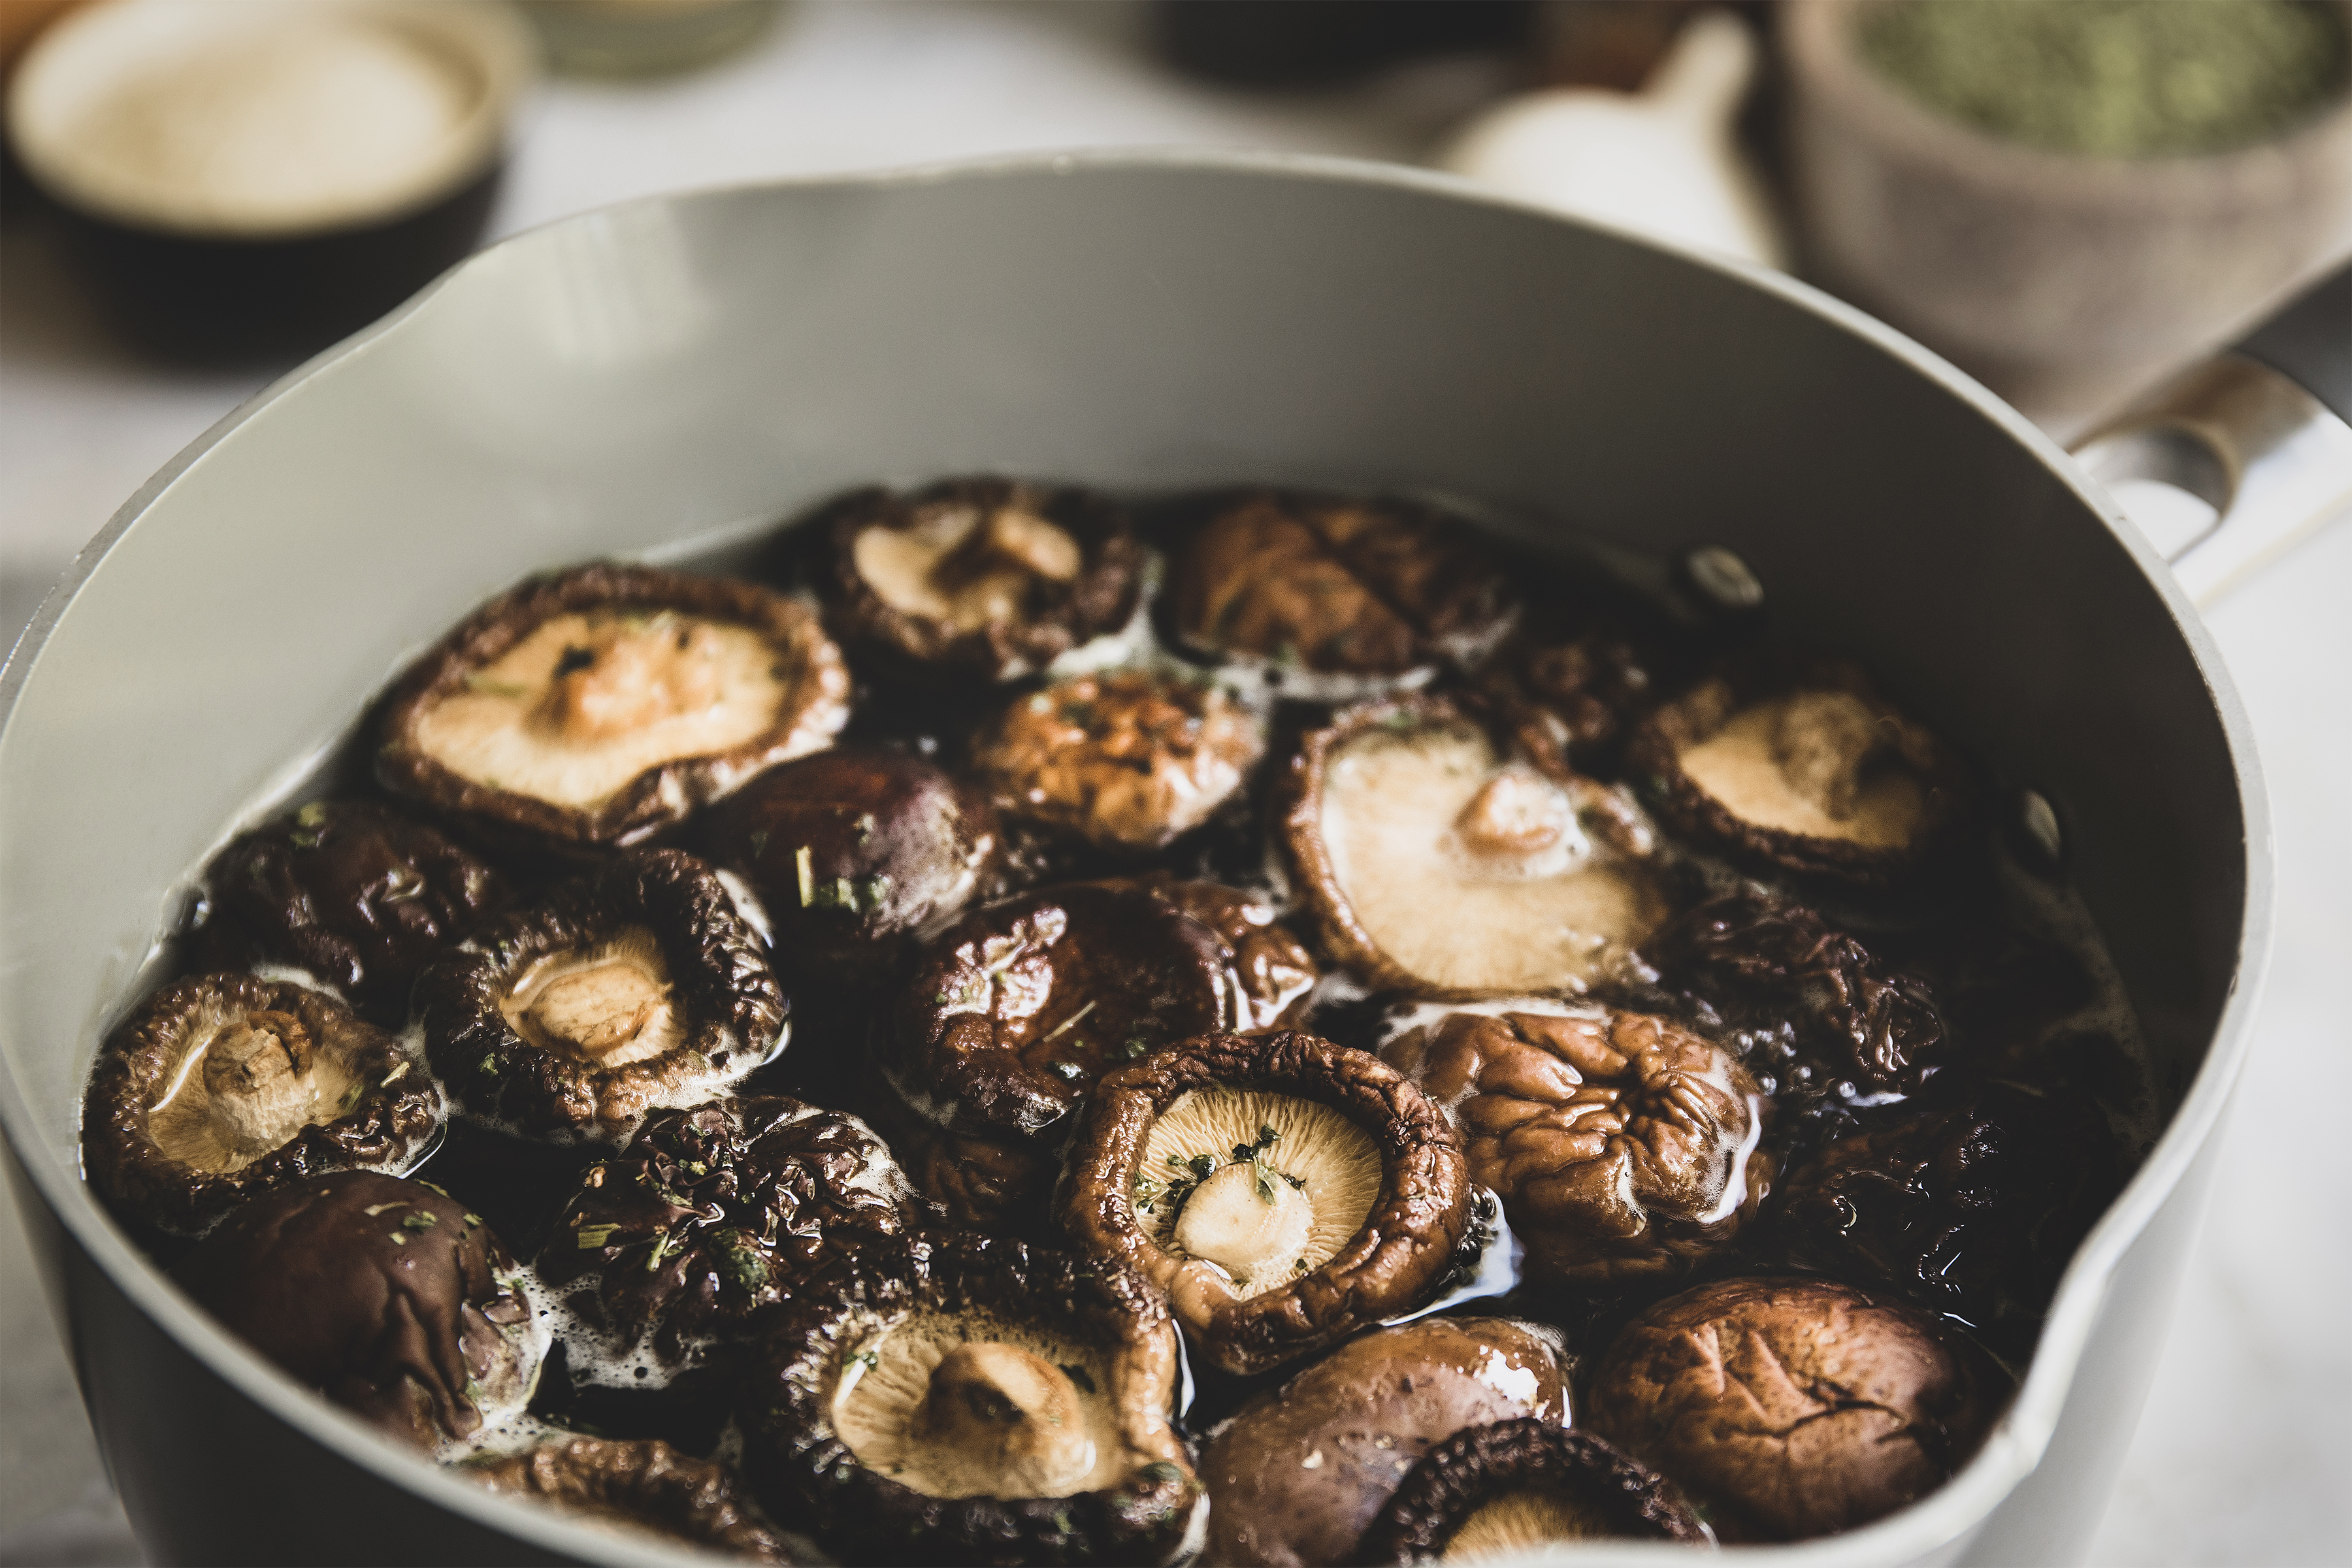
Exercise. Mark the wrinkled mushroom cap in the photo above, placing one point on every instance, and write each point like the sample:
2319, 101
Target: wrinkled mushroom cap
573, 1015
1278, 973
969, 1399
1439, 862
1621, 1144
1798, 763
1794, 1408
224, 1086
1299, 1471
1519, 1486
597, 706
646, 1484
1127, 760
1284, 1191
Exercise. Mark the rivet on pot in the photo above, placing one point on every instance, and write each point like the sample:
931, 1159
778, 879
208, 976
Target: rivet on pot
2037, 822
1723, 579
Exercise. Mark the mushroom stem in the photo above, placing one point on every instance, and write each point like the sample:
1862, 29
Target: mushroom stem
1821, 742
257, 1078
630, 676
1520, 820
1248, 1221
1005, 1420
1009, 538
600, 1010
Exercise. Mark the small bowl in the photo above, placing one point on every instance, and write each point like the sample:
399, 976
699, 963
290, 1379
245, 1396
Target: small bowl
257, 180
2057, 277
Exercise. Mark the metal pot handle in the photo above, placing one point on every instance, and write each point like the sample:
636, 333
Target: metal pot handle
2261, 433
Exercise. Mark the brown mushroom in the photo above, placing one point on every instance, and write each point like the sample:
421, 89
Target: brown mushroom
1340, 597
1284, 1191
1517, 1486
974, 1400
976, 580
1126, 761
1277, 973
1794, 1408
1298, 1472
1440, 859
571, 1016
647, 1485
1798, 763
597, 706
224, 1086
388, 1296
1622, 1145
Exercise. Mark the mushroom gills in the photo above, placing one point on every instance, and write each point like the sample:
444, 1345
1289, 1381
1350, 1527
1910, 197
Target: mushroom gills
1472, 873
1516, 1521
609, 1004
1267, 1187
587, 702
1814, 764
251, 1084
963, 567
970, 1405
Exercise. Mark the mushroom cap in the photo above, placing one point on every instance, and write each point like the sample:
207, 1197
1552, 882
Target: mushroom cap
1343, 596
573, 1015
1278, 973
1622, 1145
354, 891
1795, 762
864, 1417
1299, 1471
1377, 1246
1440, 859
853, 851
1010, 1015
1783, 974
594, 707
646, 1483
384, 1295
1127, 760
1794, 1408
976, 580
715, 1211
1580, 685
1519, 1485
995, 1186
172, 1140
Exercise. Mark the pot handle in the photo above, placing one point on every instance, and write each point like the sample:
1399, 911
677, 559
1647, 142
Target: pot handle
2261, 433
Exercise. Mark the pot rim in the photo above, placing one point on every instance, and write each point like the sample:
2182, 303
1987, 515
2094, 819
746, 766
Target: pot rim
1943, 1518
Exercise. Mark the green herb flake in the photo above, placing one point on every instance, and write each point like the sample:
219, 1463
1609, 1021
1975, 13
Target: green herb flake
1267, 1191
420, 1221
474, 1222
374, 1209
663, 1246
1297, 1181
1160, 1471
803, 864
873, 892
393, 1077
1202, 1166
1134, 1047
592, 1236
313, 815
869, 1360
478, 682
397, 1239
489, 1065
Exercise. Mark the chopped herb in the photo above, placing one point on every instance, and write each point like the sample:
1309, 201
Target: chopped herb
1135, 1047
845, 894
489, 1065
351, 1097
807, 874
698, 1167
374, 1209
1298, 1182
1267, 1191
473, 1222
1077, 1374
397, 1239
1071, 1022
477, 681
1300, 1267
592, 1236
744, 1264
422, 1220
313, 815
393, 1077
759, 838
874, 891
1162, 1471
1202, 1166
867, 1359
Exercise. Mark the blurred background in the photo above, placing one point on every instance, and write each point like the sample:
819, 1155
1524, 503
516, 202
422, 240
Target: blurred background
2069, 198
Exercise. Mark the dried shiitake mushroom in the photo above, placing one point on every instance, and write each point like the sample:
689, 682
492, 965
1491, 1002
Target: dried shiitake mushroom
1340, 597
1519, 1486
1126, 761
646, 1484
1797, 763
600, 705
1622, 1145
1299, 1471
571, 1016
354, 892
716, 1211
972, 1400
1010, 1015
386, 1295
1284, 1191
1791, 1408
1278, 973
224, 1086
853, 852
976, 580
1440, 859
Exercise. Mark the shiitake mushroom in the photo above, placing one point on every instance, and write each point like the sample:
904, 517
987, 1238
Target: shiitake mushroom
1794, 1408
224, 1086
1339, 596
1516, 1485
596, 707
1278, 973
976, 580
973, 1400
1297, 1472
1284, 1191
1622, 1145
1796, 763
388, 1296
354, 891
1441, 858
573, 1014
644, 1484
715, 1211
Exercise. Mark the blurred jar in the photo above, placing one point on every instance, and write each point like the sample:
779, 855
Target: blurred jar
623, 38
